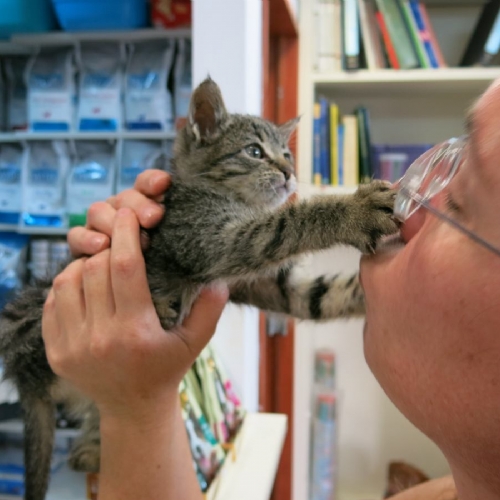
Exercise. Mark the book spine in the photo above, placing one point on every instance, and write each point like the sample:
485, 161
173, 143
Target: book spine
434, 41
325, 141
389, 47
365, 166
334, 148
351, 35
340, 143
366, 36
328, 56
414, 33
398, 33
351, 158
492, 45
424, 34
317, 145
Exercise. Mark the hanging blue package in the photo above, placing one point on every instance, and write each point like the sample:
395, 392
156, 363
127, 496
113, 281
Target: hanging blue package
13, 250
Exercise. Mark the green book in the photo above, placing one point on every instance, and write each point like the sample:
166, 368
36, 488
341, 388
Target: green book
398, 32
364, 145
414, 33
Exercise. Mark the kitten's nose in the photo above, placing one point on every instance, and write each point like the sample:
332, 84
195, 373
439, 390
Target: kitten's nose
286, 169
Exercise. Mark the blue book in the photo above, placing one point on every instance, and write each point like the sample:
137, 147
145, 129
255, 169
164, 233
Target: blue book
317, 177
325, 141
341, 153
424, 34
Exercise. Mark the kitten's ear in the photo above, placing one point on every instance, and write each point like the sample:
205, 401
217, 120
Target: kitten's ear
288, 128
207, 111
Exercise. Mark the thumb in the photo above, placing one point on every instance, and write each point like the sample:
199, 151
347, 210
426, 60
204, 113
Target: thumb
204, 316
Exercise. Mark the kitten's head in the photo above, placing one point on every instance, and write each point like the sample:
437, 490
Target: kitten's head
241, 154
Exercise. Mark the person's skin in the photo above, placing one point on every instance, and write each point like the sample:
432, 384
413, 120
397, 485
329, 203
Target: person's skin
432, 333
102, 333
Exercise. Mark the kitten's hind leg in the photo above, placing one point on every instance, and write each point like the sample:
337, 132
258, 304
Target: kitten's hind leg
85, 455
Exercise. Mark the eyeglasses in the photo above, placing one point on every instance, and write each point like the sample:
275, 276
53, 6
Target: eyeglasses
429, 175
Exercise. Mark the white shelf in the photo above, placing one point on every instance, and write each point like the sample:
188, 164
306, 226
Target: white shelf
258, 450
50, 136
68, 38
48, 231
428, 80
15, 426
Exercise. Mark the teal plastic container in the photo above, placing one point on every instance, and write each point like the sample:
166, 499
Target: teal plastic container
26, 16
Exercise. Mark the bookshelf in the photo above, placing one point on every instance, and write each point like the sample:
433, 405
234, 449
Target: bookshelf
406, 106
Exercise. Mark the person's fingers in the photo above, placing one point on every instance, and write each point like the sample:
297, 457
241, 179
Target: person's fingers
100, 217
97, 289
202, 320
152, 183
50, 328
69, 298
128, 270
83, 241
148, 212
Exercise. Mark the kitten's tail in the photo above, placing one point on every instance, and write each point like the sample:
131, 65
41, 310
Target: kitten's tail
39, 428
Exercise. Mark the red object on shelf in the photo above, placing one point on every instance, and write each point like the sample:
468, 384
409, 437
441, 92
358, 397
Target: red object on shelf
171, 13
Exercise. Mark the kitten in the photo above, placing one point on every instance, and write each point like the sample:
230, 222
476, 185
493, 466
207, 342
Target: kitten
226, 220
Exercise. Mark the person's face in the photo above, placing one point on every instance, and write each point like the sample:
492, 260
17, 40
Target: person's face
432, 332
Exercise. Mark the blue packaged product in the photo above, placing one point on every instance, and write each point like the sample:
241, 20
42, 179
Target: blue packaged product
51, 91
99, 104
90, 179
148, 102
11, 160
44, 184
13, 249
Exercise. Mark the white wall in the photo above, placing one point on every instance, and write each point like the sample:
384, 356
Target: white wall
227, 44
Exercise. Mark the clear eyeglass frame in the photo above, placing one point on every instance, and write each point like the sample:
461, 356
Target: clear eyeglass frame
428, 176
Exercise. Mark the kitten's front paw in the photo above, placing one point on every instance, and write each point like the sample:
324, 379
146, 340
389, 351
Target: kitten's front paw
374, 211
85, 457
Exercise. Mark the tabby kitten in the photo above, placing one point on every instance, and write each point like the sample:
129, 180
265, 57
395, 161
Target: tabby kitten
226, 220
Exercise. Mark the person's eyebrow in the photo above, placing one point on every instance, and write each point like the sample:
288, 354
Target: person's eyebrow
469, 122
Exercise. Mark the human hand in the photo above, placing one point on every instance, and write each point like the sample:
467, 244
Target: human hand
102, 333
143, 199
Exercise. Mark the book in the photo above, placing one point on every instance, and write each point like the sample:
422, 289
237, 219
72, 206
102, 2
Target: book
334, 144
325, 140
364, 145
351, 34
477, 41
317, 178
340, 144
492, 45
414, 32
370, 36
425, 34
434, 41
328, 27
398, 33
390, 161
389, 47
350, 150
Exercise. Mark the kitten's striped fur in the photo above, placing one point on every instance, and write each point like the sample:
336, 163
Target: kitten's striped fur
227, 219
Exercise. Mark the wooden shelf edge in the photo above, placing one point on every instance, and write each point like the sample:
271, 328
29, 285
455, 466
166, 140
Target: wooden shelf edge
282, 21
258, 449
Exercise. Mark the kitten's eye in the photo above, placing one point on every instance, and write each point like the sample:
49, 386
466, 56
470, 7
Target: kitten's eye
287, 156
255, 151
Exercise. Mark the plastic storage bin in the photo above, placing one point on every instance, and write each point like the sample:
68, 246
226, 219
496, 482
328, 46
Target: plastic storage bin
26, 16
82, 15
